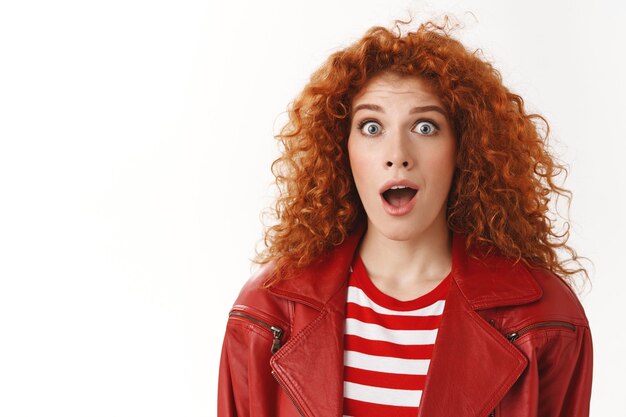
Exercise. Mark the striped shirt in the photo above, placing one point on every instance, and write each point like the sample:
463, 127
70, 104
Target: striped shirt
388, 345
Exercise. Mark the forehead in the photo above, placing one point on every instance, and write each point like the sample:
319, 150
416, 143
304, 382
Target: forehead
389, 86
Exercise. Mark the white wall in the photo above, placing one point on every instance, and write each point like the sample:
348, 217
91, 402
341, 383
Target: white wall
135, 145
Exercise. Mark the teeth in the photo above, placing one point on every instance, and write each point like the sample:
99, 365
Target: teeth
398, 187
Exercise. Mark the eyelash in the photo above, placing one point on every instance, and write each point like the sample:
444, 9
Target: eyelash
364, 122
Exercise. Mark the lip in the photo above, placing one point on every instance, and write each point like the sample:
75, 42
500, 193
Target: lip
403, 182
399, 211
402, 210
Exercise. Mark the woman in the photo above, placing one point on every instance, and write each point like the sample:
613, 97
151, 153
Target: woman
413, 269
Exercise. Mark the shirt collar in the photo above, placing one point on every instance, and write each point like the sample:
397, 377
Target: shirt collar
486, 280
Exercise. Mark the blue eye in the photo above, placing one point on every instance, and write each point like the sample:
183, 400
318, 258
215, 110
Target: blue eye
371, 128
426, 128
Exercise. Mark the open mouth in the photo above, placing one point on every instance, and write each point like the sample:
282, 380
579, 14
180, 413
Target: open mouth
399, 195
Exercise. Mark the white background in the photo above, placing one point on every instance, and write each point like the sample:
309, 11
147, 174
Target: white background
135, 144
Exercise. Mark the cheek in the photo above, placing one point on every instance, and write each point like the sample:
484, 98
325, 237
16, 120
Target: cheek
361, 166
358, 160
440, 166
443, 162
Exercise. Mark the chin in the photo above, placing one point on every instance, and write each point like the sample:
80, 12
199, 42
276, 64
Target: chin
399, 231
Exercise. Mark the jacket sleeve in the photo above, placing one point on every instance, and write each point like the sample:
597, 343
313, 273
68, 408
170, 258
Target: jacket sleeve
565, 376
225, 388
246, 387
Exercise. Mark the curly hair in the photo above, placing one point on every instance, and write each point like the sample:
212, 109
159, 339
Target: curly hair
500, 191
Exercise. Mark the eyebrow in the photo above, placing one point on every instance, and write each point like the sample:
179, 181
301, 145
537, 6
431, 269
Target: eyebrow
422, 109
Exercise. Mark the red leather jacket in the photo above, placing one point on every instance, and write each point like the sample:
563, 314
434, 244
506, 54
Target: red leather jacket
512, 342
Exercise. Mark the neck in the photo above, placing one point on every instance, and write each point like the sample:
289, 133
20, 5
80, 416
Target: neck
425, 258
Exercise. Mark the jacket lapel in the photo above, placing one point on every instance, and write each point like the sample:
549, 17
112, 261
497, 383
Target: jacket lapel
310, 364
473, 365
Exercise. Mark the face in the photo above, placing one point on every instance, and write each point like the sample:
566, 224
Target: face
400, 136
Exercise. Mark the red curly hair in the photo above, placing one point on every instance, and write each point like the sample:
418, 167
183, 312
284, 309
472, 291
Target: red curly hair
500, 191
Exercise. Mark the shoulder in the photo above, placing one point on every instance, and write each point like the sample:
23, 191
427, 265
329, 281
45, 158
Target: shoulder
520, 291
558, 301
254, 298
558, 297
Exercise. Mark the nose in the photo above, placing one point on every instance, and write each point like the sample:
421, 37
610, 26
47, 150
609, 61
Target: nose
398, 154
404, 164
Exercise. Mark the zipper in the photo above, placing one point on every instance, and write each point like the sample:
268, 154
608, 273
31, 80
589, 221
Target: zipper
288, 394
515, 335
276, 331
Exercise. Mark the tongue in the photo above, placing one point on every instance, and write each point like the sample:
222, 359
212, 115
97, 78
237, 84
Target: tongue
399, 197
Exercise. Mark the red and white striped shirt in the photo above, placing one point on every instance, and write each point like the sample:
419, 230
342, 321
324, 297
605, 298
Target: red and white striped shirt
388, 345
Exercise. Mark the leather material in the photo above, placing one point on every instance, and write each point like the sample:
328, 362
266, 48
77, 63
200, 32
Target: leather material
475, 371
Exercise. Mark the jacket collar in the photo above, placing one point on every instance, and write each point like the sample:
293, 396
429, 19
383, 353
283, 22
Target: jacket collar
470, 355
480, 280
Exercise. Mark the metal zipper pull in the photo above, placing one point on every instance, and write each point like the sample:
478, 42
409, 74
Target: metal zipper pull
515, 335
277, 332
512, 336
